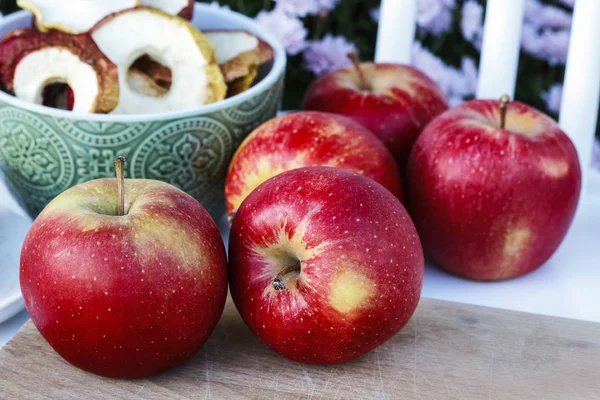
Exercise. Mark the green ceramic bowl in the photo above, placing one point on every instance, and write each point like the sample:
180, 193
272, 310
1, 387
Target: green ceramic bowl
44, 151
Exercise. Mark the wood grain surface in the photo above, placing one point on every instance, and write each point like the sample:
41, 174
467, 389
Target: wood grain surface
447, 351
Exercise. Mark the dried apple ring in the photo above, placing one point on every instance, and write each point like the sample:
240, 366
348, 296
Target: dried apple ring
177, 44
181, 8
31, 61
73, 16
238, 52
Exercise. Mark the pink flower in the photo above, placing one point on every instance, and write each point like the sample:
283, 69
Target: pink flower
328, 54
544, 16
297, 8
567, 3
374, 13
547, 45
455, 83
553, 97
289, 30
596, 155
432, 66
471, 24
327, 5
435, 16
546, 32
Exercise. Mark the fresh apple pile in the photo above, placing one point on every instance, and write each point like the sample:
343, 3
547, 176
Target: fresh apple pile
126, 57
128, 278
492, 189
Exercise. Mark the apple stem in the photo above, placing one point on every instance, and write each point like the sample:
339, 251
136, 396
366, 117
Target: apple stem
356, 62
278, 281
503, 105
119, 166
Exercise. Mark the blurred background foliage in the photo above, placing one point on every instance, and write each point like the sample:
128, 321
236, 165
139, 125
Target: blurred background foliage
441, 52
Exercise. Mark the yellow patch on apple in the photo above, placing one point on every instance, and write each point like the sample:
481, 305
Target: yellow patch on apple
349, 290
262, 170
554, 168
515, 241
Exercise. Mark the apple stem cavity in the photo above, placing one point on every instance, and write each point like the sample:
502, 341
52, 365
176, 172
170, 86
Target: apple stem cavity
364, 84
504, 100
278, 281
119, 166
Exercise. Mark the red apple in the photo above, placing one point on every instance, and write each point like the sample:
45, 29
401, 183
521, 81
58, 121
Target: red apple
492, 203
395, 102
303, 139
325, 264
124, 296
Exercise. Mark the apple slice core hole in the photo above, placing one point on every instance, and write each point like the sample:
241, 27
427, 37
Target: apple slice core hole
154, 69
58, 95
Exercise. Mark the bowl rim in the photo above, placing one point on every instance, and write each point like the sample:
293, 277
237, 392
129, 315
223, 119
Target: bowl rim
268, 81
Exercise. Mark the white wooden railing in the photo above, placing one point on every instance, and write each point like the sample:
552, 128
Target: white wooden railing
500, 57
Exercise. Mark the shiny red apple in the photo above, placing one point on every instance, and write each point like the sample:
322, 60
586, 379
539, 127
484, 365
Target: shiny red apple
307, 138
325, 264
492, 203
393, 101
124, 296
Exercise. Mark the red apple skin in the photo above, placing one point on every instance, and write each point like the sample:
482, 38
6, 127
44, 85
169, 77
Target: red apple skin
361, 264
492, 203
129, 296
303, 139
402, 100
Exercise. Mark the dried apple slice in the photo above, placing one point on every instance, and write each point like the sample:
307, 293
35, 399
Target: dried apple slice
237, 51
73, 16
242, 84
173, 41
142, 83
181, 8
154, 70
31, 61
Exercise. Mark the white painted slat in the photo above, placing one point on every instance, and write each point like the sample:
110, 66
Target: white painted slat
500, 48
581, 90
397, 24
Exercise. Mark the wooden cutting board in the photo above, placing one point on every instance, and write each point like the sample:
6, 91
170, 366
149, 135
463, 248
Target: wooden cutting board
447, 351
